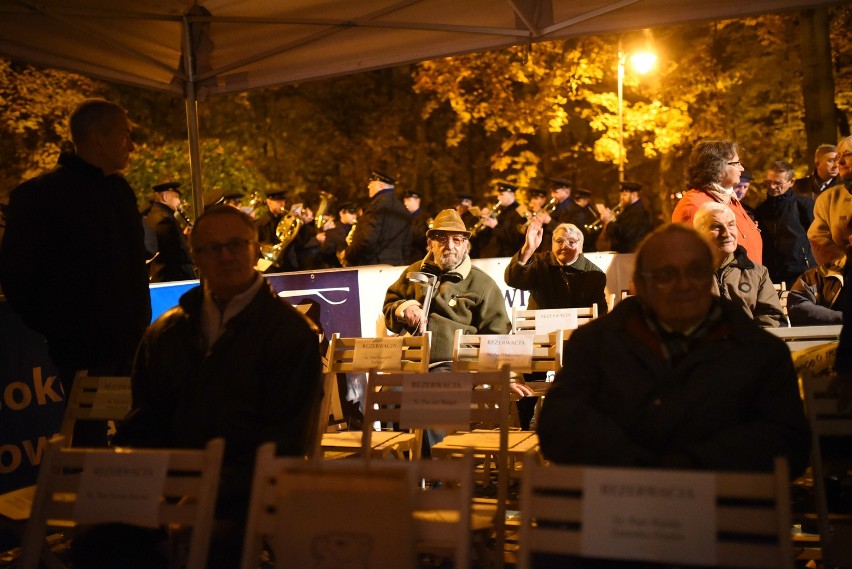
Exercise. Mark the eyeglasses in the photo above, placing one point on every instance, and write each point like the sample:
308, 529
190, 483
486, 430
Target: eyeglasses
737, 163
443, 239
697, 274
570, 242
233, 247
775, 183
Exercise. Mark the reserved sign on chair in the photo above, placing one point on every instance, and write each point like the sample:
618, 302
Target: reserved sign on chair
384, 354
497, 350
552, 319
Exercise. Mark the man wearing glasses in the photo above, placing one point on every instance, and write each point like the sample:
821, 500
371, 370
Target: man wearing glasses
830, 232
784, 219
232, 360
465, 297
560, 278
675, 377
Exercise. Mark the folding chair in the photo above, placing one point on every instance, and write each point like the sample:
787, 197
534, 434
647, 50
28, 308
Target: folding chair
95, 398
346, 499
343, 357
803, 337
751, 512
835, 530
135, 486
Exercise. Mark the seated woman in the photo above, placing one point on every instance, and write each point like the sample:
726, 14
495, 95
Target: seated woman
737, 277
816, 298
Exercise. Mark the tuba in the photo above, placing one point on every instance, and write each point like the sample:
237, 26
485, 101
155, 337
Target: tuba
286, 231
322, 217
495, 213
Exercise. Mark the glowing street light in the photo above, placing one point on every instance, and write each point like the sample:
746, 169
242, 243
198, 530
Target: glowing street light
642, 62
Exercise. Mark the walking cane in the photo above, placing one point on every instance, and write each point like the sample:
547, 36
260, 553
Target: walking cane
428, 281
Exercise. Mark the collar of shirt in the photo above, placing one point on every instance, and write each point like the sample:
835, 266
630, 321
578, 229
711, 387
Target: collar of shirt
216, 313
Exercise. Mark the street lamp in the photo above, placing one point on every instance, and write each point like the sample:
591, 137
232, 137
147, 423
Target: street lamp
642, 63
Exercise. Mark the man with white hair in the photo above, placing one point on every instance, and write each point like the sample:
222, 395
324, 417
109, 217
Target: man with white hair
830, 232
560, 278
738, 278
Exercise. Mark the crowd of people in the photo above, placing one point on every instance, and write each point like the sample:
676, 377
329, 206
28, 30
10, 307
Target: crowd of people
679, 375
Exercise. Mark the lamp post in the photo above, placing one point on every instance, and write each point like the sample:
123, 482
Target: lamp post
642, 62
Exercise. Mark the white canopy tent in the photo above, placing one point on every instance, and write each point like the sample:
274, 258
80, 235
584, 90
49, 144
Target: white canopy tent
194, 49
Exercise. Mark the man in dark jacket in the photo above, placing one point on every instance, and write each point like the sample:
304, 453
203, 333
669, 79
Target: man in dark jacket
784, 219
419, 225
383, 233
675, 378
818, 297
233, 361
267, 229
501, 234
172, 262
72, 263
627, 228
824, 175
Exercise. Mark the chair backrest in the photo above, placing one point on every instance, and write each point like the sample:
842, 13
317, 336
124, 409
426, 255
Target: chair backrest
816, 372
524, 319
802, 337
169, 487
751, 511
95, 398
342, 354
783, 297
428, 401
439, 512
546, 355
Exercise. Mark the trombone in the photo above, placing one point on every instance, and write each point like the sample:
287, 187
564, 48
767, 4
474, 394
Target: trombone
548, 208
597, 225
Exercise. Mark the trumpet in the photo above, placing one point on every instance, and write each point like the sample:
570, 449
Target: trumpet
597, 225
495, 213
548, 208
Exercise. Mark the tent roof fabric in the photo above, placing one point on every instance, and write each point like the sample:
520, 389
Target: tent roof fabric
248, 44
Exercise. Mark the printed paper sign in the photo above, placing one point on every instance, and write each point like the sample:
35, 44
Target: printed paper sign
514, 350
126, 490
659, 516
383, 354
112, 393
437, 400
551, 320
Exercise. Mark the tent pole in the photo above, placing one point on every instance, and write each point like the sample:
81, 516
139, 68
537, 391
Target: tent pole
191, 99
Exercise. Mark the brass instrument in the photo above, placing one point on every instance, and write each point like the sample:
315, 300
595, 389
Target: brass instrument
286, 231
495, 213
185, 218
597, 225
548, 208
322, 217
341, 254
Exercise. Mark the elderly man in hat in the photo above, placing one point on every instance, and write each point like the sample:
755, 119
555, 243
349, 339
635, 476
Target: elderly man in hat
630, 222
465, 297
172, 262
383, 233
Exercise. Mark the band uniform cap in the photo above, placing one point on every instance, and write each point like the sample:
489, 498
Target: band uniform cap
280, 195
349, 207
448, 220
412, 194
581, 193
536, 193
462, 197
506, 187
382, 177
560, 184
173, 186
746, 176
233, 195
630, 186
